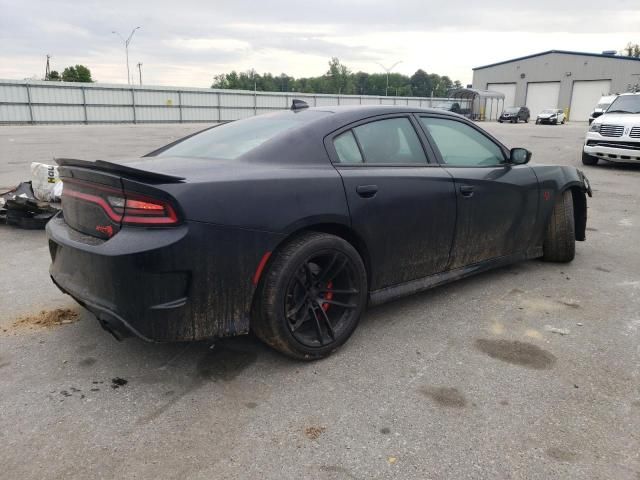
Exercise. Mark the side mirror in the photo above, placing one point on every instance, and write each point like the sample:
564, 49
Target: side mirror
519, 156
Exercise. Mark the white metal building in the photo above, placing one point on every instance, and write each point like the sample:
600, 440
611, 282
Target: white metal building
573, 81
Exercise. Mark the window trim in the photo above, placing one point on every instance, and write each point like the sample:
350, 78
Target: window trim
505, 151
429, 154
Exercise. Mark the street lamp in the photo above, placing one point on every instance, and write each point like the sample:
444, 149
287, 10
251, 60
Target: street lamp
388, 70
126, 49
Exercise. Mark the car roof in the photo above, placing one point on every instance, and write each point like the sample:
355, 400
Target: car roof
344, 114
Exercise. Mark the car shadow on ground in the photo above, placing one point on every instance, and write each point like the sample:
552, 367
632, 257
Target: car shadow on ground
616, 166
91, 358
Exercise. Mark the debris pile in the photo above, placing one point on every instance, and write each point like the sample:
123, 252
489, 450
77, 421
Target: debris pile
32, 204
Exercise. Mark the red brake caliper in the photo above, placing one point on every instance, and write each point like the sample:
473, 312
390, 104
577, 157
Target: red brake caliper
327, 296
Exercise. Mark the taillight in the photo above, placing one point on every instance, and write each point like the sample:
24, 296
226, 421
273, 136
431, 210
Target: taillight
147, 211
125, 207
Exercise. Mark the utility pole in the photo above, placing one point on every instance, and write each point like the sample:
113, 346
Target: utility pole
388, 70
126, 49
140, 71
47, 70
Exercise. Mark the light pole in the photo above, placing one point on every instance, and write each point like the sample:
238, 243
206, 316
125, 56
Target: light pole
126, 49
140, 71
388, 70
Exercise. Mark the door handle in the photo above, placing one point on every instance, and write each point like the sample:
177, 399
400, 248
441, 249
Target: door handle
466, 191
367, 191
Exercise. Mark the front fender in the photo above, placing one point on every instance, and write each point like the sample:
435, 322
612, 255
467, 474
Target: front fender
554, 180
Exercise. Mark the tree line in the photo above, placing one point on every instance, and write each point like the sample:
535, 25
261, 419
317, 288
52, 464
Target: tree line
79, 73
339, 79
632, 50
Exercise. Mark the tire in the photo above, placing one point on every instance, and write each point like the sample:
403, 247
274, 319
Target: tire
588, 159
537, 121
289, 313
526, 119
499, 121
563, 121
515, 120
560, 239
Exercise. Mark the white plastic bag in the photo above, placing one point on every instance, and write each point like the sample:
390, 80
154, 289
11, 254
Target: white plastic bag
45, 182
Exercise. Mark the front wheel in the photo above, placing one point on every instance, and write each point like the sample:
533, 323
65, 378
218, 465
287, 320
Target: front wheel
560, 238
537, 121
588, 159
312, 296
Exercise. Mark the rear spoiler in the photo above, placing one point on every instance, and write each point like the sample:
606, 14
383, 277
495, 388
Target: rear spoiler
117, 168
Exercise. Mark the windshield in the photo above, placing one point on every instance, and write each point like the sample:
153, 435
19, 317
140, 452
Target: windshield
511, 110
230, 140
548, 110
625, 104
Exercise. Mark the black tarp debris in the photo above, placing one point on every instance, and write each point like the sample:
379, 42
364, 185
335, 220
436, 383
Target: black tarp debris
19, 207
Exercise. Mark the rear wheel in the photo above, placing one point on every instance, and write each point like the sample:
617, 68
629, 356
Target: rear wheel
311, 298
560, 239
588, 159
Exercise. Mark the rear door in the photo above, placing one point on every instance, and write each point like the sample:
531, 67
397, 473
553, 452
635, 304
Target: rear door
401, 205
497, 201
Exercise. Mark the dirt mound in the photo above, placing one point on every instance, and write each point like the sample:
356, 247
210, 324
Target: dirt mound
47, 319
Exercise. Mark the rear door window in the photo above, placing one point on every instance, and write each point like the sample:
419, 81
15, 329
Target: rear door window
390, 141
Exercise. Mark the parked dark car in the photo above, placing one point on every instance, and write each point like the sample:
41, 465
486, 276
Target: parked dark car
514, 115
291, 223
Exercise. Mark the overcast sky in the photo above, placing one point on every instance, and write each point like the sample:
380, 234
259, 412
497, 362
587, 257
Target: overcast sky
187, 42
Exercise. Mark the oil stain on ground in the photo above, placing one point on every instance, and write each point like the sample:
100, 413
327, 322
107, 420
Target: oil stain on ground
445, 396
337, 472
518, 353
87, 362
561, 455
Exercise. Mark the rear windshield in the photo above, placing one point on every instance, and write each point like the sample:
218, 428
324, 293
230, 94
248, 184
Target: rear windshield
230, 140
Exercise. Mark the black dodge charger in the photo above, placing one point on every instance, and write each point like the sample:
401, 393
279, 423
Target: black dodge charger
289, 224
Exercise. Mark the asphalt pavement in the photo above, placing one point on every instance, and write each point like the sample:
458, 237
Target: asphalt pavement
526, 372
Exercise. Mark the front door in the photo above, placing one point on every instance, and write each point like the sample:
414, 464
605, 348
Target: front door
401, 206
497, 201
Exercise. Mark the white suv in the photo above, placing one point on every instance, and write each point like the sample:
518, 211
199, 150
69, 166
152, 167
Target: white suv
615, 135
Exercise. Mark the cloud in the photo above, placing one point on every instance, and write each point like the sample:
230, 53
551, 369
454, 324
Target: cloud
188, 42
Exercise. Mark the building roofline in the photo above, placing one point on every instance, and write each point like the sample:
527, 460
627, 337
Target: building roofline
566, 52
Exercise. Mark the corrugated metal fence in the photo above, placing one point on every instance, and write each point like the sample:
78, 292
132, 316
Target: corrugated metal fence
38, 102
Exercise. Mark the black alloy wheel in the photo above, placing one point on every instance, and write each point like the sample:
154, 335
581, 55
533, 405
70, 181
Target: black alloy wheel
311, 297
322, 298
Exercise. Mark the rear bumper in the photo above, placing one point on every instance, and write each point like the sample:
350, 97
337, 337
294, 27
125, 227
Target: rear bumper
187, 282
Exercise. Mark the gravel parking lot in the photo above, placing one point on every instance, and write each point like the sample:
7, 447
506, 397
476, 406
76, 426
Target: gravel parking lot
531, 371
